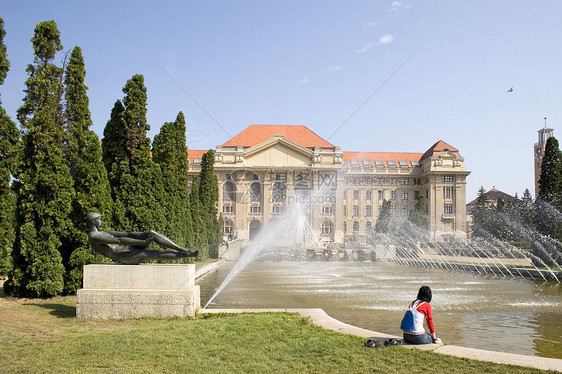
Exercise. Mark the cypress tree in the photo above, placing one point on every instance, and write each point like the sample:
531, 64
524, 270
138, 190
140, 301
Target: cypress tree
550, 182
383, 221
88, 172
418, 216
200, 229
209, 196
45, 187
136, 181
169, 150
9, 147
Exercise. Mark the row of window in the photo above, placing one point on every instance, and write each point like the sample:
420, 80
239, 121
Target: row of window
393, 193
382, 180
380, 163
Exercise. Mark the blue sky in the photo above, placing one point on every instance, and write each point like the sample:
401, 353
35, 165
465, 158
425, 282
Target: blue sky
315, 63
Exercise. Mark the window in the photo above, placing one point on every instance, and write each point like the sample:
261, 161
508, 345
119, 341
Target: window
417, 195
368, 180
403, 163
391, 163
367, 162
345, 210
448, 178
277, 210
368, 212
447, 192
368, 226
355, 226
227, 226
228, 192
368, 194
228, 209
405, 210
380, 180
279, 195
404, 181
448, 209
392, 210
393, 195
381, 195
255, 192
404, 195
355, 180
345, 227
327, 228
379, 163
255, 209
327, 209
391, 180
354, 162
355, 210
256, 177
355, 194
415, 163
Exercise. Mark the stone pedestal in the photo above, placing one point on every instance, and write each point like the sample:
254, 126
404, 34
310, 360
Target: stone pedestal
113, 291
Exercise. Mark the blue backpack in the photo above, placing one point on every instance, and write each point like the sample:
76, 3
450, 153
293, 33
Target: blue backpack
407, 323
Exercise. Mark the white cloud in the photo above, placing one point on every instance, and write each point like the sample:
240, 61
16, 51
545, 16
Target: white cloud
386, 39
396, 6
369, 24
365, 48
304, 80
334, 68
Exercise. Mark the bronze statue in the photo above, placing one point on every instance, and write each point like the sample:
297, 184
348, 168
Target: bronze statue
131, 247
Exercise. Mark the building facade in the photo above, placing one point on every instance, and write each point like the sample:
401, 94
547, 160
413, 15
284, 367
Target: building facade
266, 168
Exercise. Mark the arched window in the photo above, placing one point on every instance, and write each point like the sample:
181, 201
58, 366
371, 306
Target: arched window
227, 228
255, 192
327, 228
279, 194
355, 226
228, 192
255, 227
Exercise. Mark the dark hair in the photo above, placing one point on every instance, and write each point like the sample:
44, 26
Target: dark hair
424, 294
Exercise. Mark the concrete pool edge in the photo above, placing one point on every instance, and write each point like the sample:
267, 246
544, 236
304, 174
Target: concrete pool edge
321, 318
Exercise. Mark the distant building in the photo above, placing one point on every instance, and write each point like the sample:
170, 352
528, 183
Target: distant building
265, 168
492, 199
544, 134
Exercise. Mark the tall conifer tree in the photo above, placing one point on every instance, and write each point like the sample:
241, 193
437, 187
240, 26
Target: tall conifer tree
9, 142
550, 182
200, 227
45, 187
169, 150
88, 172
209, 196
136, 181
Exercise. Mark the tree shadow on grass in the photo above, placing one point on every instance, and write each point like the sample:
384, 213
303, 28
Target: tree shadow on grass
59, 310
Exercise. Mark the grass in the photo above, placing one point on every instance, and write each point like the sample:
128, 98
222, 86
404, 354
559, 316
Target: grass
42, 336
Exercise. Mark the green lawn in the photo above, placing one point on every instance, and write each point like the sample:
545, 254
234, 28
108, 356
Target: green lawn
43, 336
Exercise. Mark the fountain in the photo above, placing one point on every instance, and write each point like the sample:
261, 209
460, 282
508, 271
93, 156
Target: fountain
484, 290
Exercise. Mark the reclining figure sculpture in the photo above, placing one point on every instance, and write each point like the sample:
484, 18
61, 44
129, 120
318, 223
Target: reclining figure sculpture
131, 247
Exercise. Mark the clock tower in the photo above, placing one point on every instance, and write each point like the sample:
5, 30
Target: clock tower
544, 134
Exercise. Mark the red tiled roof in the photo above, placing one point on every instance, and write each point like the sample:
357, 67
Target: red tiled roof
192, 154
493, 196
256, 134
382, 156
436, 149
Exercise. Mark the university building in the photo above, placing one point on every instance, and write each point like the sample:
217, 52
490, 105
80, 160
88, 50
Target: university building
266, 168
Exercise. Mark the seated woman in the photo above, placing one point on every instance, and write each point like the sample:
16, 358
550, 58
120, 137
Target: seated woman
412, 323
131, 247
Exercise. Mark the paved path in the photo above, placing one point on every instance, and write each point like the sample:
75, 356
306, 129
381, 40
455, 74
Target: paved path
321, 318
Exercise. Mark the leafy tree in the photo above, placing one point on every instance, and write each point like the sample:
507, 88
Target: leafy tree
9, 148
91, 184
481, 215
550, 182
45, 187
418, 216
209, 196
169, 150
136, 181
383, 221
